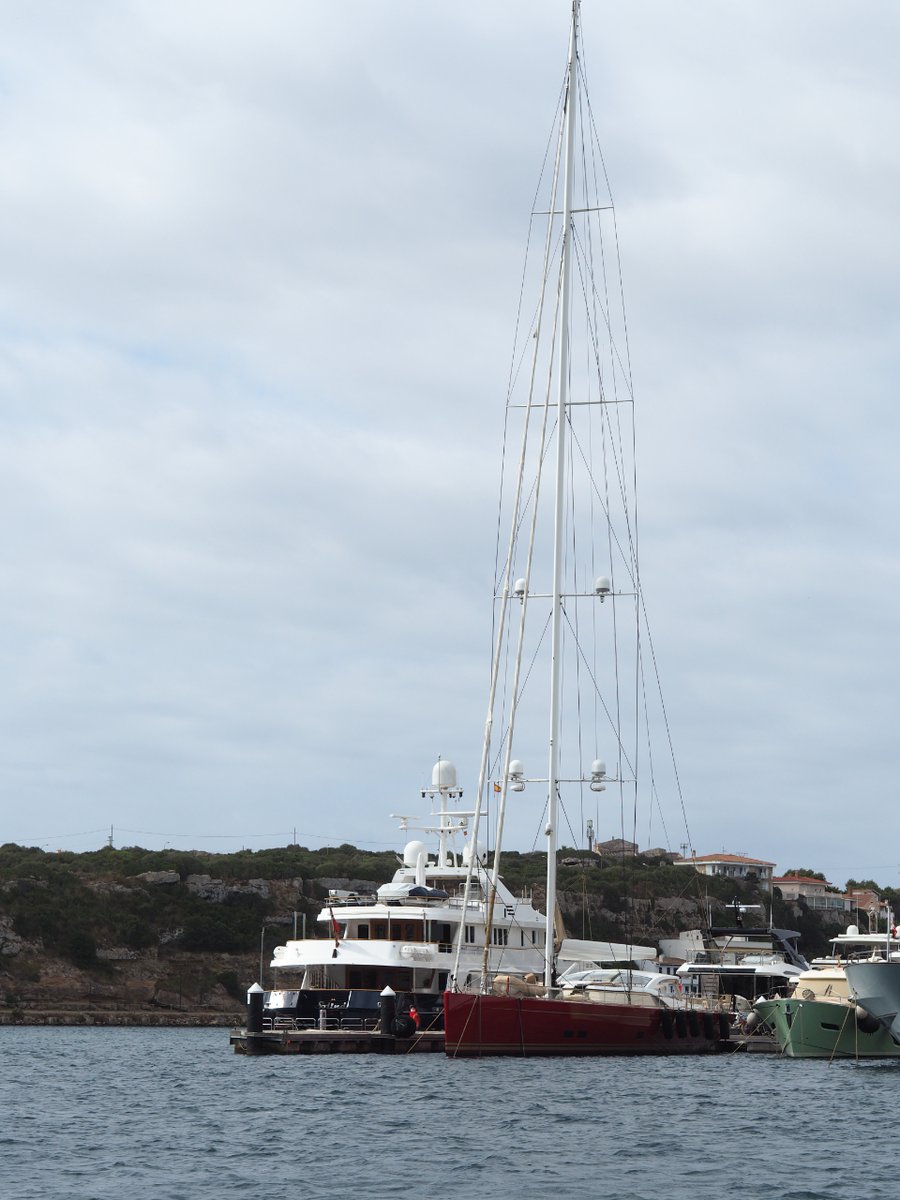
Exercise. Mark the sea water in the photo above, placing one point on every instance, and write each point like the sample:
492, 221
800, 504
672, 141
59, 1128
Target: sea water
174, 1114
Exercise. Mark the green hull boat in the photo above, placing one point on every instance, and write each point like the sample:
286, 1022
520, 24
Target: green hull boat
822, 1018
825, 1029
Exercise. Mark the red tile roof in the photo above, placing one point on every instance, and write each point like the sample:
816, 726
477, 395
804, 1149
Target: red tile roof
728, 858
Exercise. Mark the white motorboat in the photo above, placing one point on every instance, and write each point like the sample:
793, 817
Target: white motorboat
738, 964
403, 935
875, 980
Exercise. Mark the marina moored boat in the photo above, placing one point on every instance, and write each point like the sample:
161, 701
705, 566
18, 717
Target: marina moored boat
734, 965
821, 1017
875, 981
402, 937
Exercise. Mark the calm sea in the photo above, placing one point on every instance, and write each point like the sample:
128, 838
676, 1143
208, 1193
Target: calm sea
175, 1115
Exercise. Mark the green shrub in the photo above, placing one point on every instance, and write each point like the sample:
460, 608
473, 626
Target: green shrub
232, 985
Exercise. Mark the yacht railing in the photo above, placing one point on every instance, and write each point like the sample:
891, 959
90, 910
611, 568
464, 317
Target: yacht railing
302, 1024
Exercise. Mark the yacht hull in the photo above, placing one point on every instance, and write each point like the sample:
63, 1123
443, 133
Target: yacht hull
526, 1026
823, 1029
876, 986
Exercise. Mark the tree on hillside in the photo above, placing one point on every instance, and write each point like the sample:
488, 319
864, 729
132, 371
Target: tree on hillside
863, 885
806, 873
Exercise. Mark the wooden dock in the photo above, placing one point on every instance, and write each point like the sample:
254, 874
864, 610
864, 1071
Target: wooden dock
334, 1041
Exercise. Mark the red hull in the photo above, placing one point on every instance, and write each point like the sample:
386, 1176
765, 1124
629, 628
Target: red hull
532, 1025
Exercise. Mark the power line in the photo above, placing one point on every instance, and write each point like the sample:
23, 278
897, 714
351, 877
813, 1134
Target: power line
291, 836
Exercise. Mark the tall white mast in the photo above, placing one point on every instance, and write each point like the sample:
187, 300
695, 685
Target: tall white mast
561, 443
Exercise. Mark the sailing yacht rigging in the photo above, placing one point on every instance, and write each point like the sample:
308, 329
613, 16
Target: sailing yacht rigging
563, 423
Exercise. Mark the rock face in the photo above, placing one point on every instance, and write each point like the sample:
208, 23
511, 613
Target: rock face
644, 921
362, 886
150, 943
10, 942
196, 988
217, 891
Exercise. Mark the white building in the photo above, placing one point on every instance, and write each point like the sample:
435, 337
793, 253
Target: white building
732, 866
816, 893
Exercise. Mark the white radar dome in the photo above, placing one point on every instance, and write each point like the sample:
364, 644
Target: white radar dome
411, 852
443, 774
480, 852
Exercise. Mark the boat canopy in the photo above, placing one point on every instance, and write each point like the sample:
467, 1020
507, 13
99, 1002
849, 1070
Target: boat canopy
575, 950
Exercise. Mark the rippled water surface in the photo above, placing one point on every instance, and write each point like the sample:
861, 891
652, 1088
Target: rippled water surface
94, 1113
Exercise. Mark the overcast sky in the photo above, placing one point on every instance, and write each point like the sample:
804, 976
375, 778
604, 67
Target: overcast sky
259, 279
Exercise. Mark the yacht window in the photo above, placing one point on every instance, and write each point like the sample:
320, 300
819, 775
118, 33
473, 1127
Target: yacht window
470, 934
441, 933
362, 931
361, 979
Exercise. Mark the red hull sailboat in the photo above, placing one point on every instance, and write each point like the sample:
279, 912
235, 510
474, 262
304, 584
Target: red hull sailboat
579, 634
523, 1026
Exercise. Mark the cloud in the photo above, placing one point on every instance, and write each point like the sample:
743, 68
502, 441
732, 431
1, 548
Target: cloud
256, 312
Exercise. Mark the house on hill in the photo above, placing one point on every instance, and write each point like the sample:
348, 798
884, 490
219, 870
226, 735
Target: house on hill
865, 902
732, 866
661, 854
616, 848
815, 893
